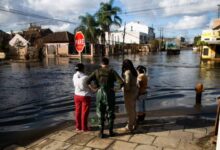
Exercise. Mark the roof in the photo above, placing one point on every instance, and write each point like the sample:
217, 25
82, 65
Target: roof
216, 24
16, 38
59, 37
33, 35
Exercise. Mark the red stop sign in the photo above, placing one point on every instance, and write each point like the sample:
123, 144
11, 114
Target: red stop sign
79, 41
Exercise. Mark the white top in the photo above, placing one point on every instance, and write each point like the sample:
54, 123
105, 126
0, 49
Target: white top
79, 82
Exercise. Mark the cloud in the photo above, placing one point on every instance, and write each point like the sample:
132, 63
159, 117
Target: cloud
188, 7
188, 22
62, 27
68, 10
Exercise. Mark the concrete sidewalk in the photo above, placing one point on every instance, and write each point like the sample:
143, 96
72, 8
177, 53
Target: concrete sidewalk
165, 133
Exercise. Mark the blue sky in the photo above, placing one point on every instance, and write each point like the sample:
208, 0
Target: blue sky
176, 17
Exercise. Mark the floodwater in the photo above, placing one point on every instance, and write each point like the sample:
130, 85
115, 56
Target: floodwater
40, 94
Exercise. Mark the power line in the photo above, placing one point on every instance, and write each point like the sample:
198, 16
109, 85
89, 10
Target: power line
17, 12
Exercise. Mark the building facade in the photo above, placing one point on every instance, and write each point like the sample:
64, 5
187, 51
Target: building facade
211, 39
135, 33
19, 46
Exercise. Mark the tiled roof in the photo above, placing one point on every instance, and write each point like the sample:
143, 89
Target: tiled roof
59, 37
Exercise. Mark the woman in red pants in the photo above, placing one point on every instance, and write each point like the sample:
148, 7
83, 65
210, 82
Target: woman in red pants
82, 98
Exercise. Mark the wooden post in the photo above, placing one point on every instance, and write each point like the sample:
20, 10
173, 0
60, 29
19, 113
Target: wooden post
217, 117
80, 55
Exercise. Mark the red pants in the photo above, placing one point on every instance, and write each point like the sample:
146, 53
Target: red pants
82, 105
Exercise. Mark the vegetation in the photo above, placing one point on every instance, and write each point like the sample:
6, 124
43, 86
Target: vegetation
154, 44
89, 27
107, 16
94, 26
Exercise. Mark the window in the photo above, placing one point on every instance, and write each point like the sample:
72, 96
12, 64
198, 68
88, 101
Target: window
205, 51
131, 28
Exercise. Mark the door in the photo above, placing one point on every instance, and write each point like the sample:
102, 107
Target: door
217, 50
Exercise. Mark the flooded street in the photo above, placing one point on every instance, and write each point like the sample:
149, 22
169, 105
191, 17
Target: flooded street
37, 95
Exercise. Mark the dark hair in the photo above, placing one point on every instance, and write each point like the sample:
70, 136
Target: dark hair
79, 67
105, 61
128, 65
141, 69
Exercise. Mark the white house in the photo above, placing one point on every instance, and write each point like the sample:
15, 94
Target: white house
134, 33
20, 46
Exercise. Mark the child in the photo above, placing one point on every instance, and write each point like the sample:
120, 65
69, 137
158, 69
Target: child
142, 80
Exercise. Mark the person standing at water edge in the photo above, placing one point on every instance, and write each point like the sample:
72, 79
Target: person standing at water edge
142, 81
82, 98
129, 75
105, 77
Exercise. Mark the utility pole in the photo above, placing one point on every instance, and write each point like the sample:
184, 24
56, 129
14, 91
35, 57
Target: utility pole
161, 38
123, 42
218, 10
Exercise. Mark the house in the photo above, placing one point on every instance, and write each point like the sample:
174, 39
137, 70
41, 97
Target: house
34, 35
135, 33
58, 44
211, 47
19, 46
4, 39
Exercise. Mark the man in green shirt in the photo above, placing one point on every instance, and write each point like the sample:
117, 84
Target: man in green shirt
105, 78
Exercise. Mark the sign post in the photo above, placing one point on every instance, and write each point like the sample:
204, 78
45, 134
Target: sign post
79, 43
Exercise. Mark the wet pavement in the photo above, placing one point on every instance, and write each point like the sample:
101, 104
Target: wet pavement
161, 133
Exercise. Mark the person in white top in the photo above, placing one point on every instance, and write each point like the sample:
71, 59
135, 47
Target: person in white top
82, 98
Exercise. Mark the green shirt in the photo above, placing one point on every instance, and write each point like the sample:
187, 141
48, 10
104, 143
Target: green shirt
105, 77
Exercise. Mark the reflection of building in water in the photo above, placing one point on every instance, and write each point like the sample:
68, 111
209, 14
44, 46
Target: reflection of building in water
56, 61
211, 37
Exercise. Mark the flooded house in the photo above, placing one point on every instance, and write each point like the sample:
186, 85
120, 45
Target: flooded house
28, 44
211, 37
4, 46
19, 46
62, 44
58, 44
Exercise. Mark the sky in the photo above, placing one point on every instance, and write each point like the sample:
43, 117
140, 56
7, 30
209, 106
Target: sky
185, 18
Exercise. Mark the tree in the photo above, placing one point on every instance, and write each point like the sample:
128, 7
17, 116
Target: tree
89, 27
196, 39
107, 16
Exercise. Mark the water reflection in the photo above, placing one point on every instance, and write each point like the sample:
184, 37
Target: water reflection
42, 92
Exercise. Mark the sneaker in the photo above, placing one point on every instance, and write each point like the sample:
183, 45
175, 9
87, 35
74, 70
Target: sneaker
78, 130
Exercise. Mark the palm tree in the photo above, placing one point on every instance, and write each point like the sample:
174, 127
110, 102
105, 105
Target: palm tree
89, 27
107, 16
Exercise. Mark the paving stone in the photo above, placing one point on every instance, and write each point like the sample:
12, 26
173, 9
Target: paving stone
166, 142
169, 148
57, 145
158, 132
147, 147
118, 145
62, 135
14, 147
100, 143
142, 139
121, 134
40, 144
198, 135
77, 147
188, 146
197, 130
210, 129
80, 139
71, 128
181, 135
